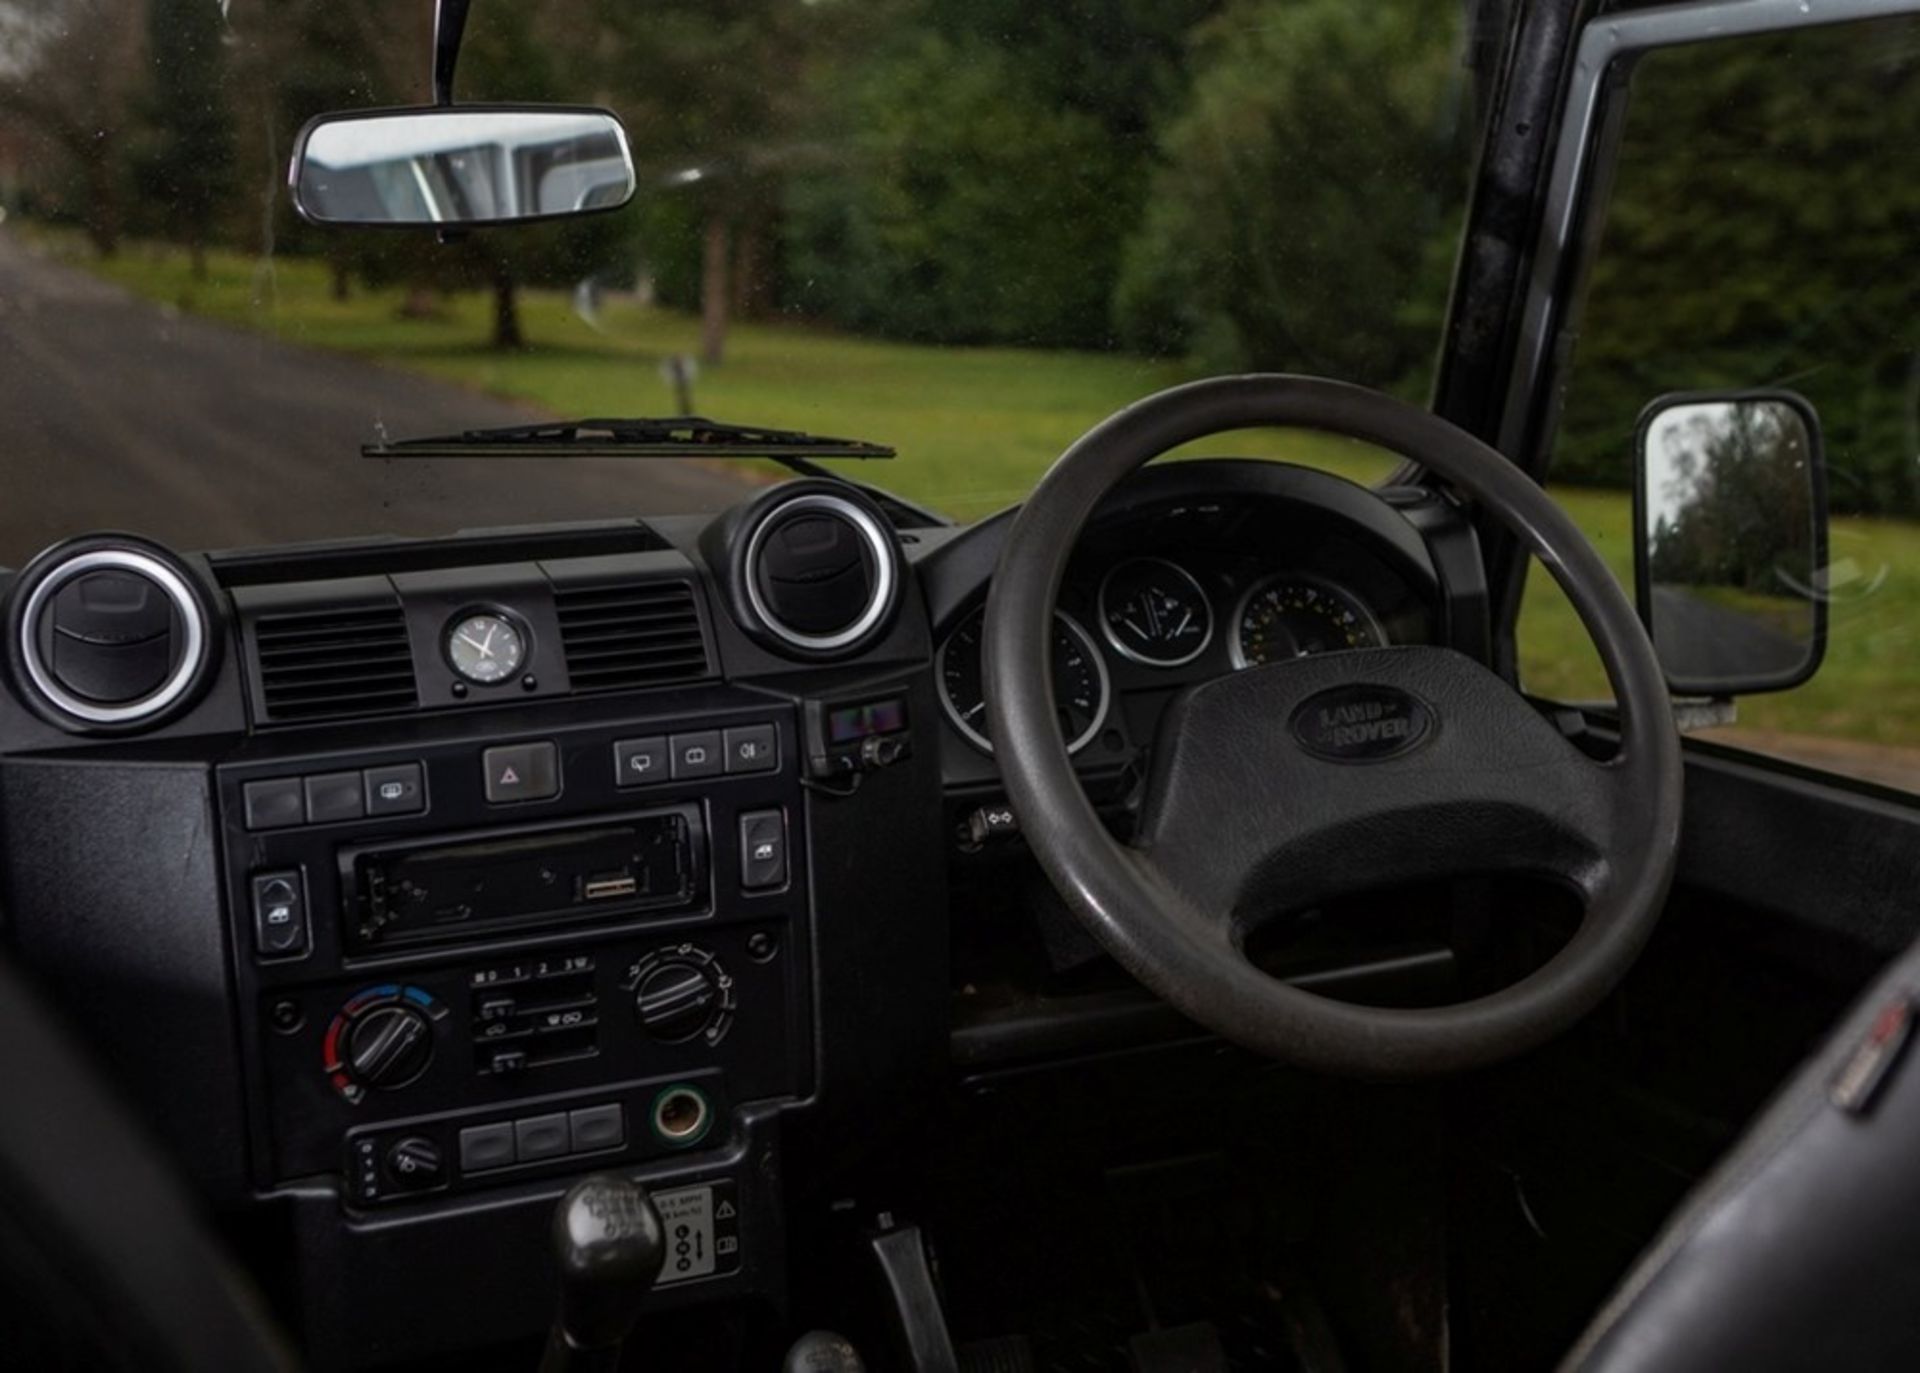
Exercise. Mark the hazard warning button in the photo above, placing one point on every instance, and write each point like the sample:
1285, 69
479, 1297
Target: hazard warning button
521, 772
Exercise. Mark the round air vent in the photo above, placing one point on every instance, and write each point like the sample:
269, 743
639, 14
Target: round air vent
108, 635
820, 572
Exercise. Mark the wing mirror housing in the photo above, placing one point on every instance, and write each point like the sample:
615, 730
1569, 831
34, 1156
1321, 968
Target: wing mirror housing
1730, 540
451, 167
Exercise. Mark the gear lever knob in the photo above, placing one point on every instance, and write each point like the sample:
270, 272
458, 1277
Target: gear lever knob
608, 1244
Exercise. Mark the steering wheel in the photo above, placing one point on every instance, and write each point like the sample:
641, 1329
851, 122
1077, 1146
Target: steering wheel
1278, 787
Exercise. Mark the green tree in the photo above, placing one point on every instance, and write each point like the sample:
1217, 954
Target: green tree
1731, 483
715, 92
1121, 62
991, 158
300, 58
965, 208
187, 156
71, 76
1761, 230
1297, 197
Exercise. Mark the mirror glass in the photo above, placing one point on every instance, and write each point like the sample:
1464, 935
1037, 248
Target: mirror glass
457, 166
1732, 523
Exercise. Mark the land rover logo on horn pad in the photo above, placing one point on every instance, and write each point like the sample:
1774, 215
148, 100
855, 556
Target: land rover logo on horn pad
1362, 723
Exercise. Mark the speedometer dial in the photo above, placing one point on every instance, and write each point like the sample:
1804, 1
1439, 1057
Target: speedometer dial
1291, 616
1154, 612
1080, 690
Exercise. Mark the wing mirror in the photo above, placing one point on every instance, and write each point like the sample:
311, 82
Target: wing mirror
461, 166
1730, 551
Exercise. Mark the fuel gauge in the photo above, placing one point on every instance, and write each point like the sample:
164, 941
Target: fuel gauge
1154, 612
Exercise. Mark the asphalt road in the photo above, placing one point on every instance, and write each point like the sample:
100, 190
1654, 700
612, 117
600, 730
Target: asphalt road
118, 414
1703, 642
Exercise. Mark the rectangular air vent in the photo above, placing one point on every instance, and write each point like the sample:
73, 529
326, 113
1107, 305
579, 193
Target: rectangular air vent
318, 664
634, 634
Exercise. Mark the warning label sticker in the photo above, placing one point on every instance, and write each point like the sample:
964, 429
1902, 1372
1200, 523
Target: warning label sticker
702, 1227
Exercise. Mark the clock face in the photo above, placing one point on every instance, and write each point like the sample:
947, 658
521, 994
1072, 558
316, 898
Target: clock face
486, 648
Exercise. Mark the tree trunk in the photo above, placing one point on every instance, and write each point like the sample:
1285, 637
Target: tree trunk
506, 308
103, 206
102, 234
746, 273
713, 289
420, 302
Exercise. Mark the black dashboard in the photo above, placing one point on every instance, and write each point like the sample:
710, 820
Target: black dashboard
401, 881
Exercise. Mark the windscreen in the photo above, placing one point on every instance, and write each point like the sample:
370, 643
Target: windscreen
968, 229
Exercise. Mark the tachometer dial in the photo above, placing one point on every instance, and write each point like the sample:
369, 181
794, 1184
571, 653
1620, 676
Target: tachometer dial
1080, 689
1154, 612
1291, 616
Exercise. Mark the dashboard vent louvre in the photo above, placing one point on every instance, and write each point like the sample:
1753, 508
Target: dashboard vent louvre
635, 634
321, 663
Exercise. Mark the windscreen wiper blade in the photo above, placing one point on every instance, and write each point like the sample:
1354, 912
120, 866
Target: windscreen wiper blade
685, 436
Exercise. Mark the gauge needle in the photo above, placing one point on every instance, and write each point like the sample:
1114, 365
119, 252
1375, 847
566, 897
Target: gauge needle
485, 652
487, 647
975, 711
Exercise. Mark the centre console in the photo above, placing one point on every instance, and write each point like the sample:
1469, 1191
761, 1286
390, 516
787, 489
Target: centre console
390, 946
470, 964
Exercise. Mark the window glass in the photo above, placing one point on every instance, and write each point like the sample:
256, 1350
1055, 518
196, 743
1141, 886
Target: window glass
1762, 230
966, 228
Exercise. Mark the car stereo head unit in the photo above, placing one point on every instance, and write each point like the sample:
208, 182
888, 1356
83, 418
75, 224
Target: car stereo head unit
458, 887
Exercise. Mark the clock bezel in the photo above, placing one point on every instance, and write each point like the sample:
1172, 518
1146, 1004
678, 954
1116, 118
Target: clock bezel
514, 622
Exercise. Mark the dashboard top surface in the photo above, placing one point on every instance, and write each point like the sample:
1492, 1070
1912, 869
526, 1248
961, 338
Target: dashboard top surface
1190, 570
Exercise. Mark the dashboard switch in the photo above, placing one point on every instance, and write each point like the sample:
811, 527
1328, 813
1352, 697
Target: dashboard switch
486, 1146
521, 772
274, 805
538, 1137
752, 748
395, 790
507, 1061
333, 796
640, 762
697, 755
597, 1127
280, 914
416, 1164
763, 850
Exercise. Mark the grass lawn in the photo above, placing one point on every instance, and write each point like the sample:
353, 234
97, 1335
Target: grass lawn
975, 427
1869, 687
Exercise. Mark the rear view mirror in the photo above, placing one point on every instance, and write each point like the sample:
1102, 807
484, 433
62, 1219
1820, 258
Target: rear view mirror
460, 166
1730, 516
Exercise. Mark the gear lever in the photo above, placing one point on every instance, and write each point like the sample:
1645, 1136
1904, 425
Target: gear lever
609, 1246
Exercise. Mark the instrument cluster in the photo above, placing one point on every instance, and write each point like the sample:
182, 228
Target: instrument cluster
1163, 599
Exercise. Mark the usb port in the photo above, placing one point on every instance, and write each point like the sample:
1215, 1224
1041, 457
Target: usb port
609, 887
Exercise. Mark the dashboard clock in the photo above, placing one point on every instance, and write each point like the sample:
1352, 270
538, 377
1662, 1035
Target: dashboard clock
486, 648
